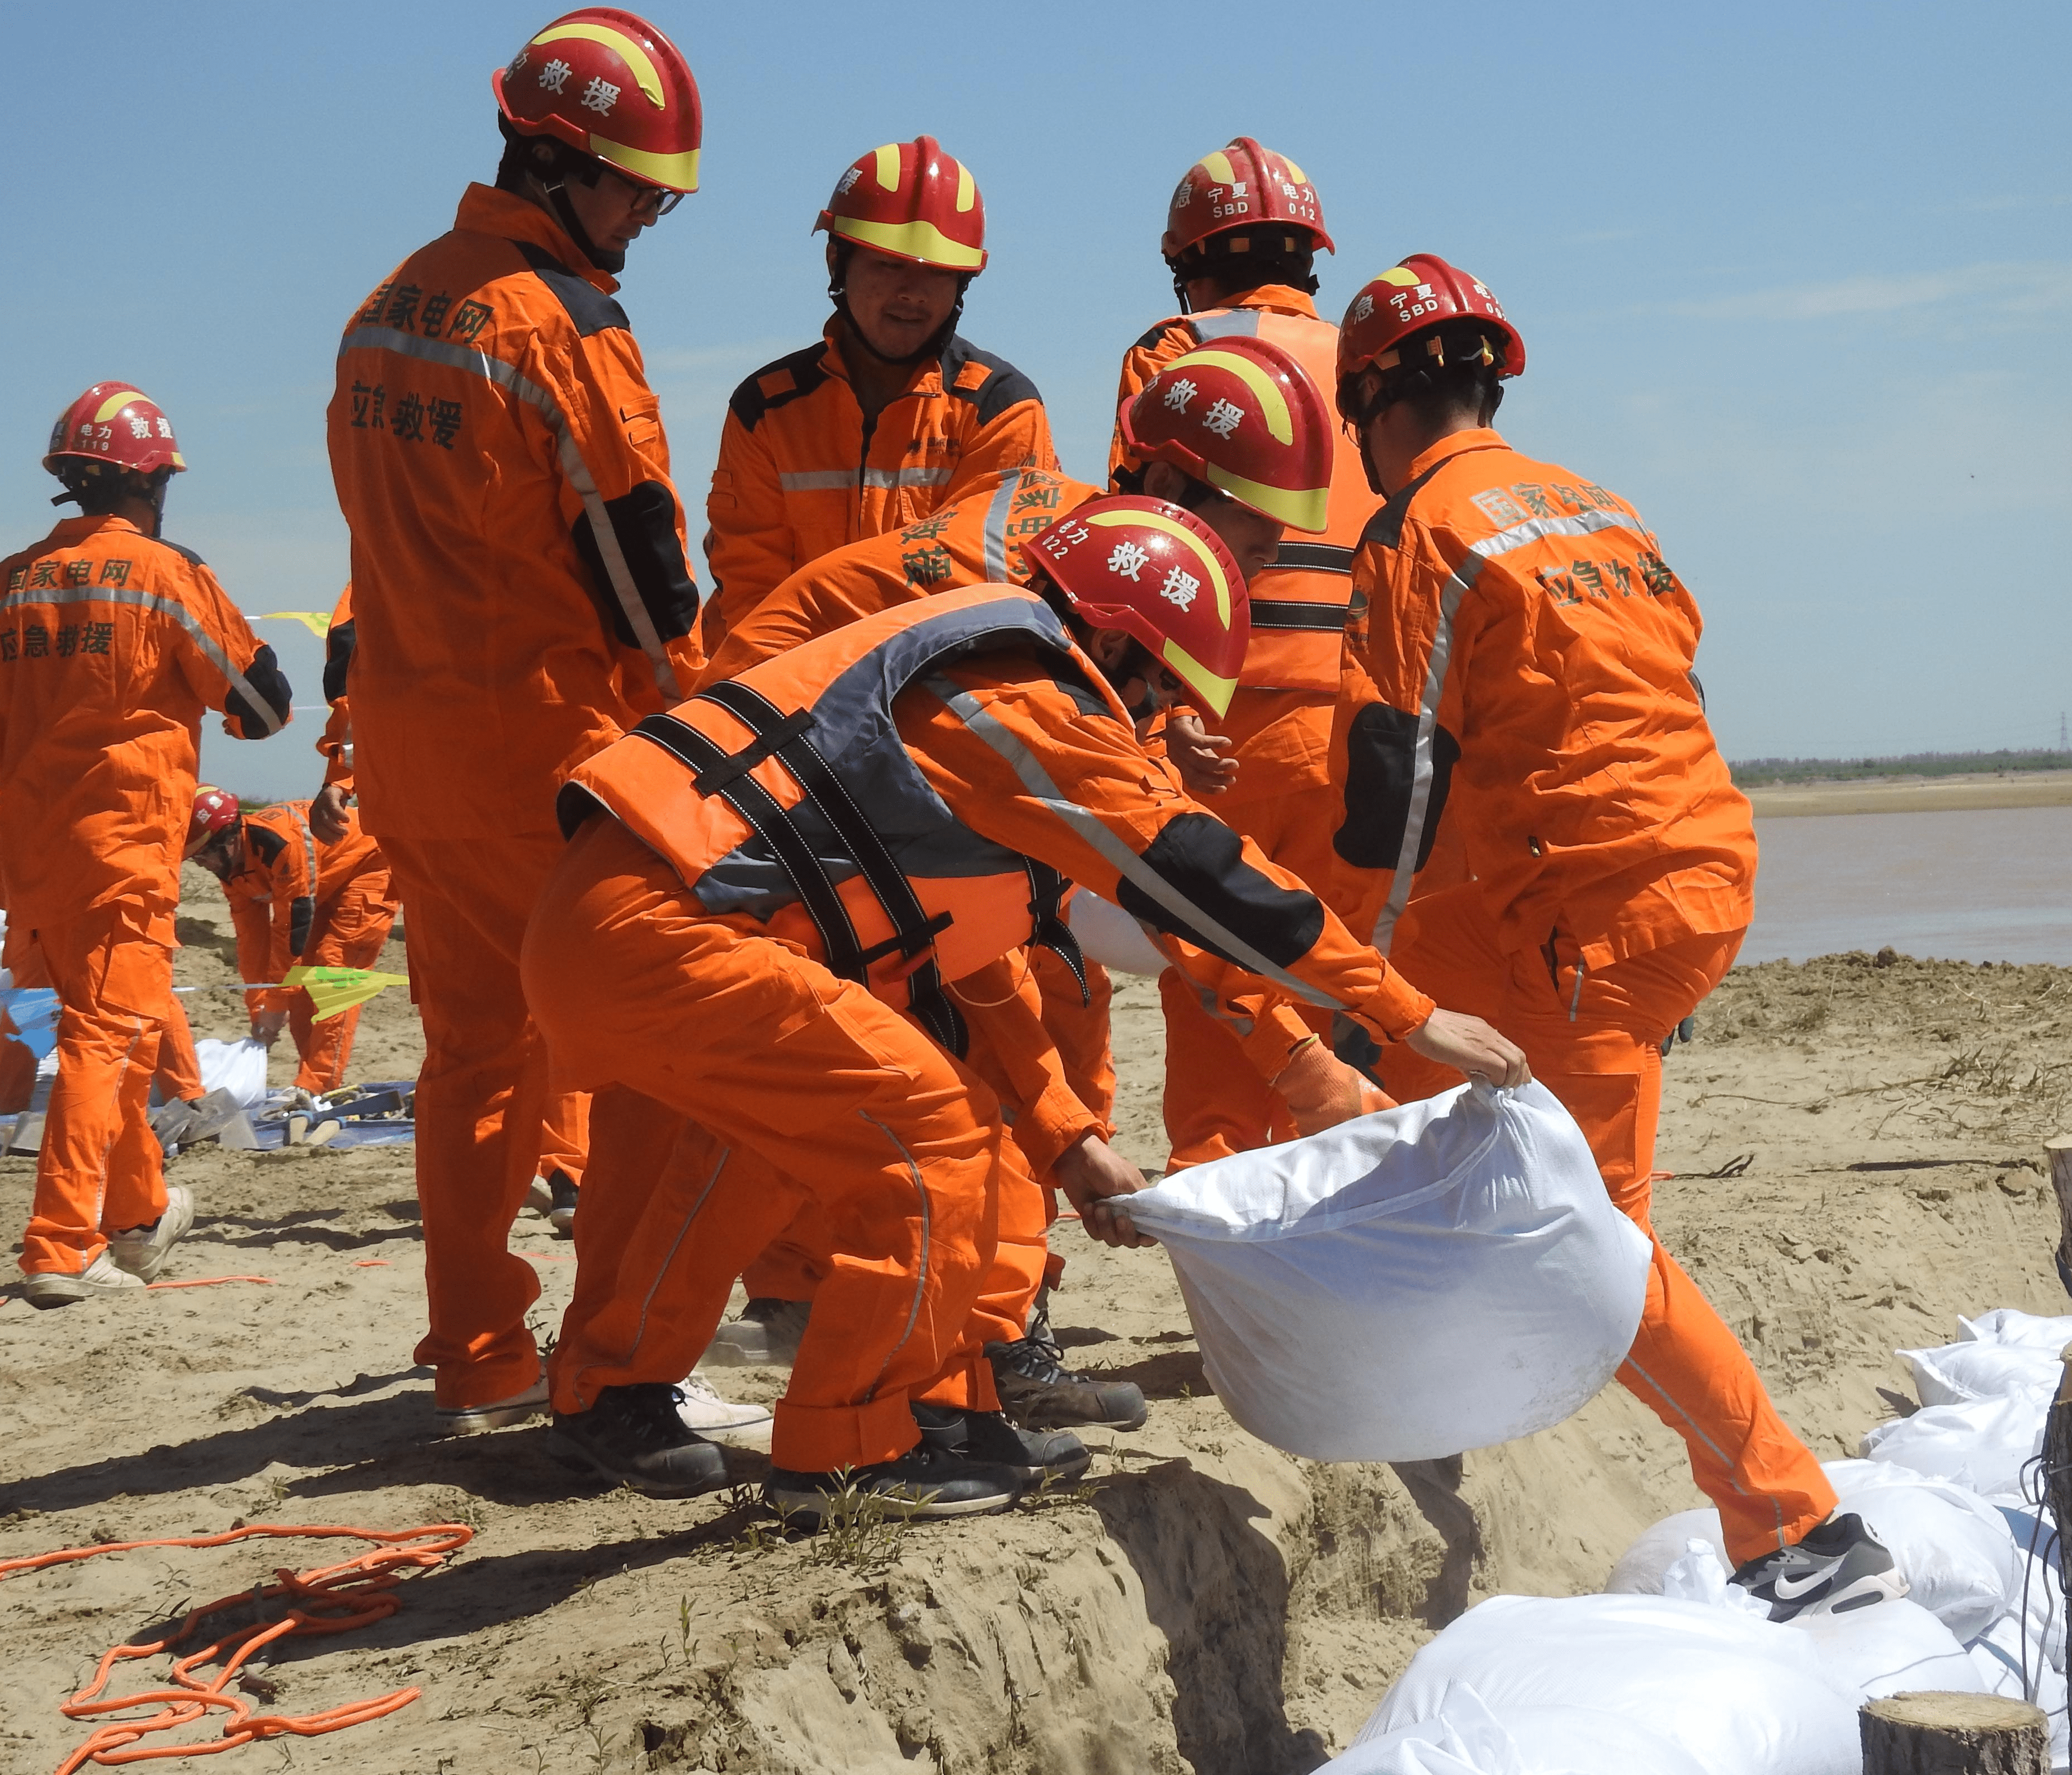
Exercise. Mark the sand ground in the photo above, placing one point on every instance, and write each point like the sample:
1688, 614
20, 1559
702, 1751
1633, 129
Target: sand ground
1205, 1604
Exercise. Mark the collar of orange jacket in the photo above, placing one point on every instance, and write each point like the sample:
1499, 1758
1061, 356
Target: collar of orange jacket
927, 379
1282, 298
486, 210
69, 530
1457, 444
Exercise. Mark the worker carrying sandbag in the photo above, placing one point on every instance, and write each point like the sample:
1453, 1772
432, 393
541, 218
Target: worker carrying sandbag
764, 896
1515, 631
1408, 1285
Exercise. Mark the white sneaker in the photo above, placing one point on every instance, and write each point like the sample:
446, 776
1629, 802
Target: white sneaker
703, 1410
539, 1196
465, 1420
143, 1251
55, 1287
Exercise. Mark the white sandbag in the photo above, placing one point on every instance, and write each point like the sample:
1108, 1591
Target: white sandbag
1736, 1695
1434, 1278
1955, 1550
2006, 1326
1982, 1445
1110, 936
1886, 1649
1643, 1567
1466, 1739
1957, 1374
238, 1067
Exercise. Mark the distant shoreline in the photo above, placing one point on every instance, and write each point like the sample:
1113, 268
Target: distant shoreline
1914, 795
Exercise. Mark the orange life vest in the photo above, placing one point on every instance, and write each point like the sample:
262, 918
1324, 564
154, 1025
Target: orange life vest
787, 795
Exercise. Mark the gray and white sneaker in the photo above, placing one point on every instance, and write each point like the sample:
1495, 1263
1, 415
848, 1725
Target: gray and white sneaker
58, 1288
765, 1335
467, 1420
1837, 1568
144, 1251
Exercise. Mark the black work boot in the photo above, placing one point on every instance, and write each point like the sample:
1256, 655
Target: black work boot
633, 1435
1035, 1455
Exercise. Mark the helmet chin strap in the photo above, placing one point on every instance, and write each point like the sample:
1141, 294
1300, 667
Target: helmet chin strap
611, 263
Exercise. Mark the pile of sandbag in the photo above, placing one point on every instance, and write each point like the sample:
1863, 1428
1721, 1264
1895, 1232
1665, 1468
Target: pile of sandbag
1676, 1669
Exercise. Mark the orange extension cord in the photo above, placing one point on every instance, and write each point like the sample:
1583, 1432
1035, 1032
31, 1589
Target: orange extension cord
330, 1599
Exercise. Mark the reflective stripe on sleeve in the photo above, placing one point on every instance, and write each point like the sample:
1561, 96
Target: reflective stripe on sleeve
1037, 780
995, 529
1456, 588
495, 370
158, 605
840, 480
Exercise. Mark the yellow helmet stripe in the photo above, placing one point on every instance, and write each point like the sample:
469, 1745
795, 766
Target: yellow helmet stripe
115, 403
620, 44
966, 192
1218, 692
1294, 172
1218, 166
1299, 510
678, 172
1212, 567
1272, 403
1400, 276
922, 241
888, 166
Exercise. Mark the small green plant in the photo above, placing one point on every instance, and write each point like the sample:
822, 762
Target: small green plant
861, 1530
1051, 1492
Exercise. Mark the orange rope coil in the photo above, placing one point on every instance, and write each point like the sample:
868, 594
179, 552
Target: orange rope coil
329, 1600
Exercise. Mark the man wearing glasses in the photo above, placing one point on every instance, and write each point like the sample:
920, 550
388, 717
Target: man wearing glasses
521, 597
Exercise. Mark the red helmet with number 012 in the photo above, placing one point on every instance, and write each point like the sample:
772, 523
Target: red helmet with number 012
1157, 574
911, 201
1243, 415
1409, 299
610, 84
215, 810
1243, 186
118, 424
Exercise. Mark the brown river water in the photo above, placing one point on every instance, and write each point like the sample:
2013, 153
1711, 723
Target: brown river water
1990, 884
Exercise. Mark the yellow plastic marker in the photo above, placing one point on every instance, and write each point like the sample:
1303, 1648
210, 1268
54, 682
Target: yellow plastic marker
317, 622
334, 991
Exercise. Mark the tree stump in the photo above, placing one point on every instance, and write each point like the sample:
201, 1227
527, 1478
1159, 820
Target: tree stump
1929, 1733
2059, 1154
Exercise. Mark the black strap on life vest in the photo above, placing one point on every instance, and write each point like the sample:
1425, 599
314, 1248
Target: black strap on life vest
913, 932
1047, 929
698, 752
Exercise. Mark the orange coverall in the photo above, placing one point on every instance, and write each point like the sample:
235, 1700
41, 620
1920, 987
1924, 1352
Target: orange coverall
520, 595
111, 646
1046, 1054
297, 901
1218, 1102
1516, 626
801, 471
805, 1086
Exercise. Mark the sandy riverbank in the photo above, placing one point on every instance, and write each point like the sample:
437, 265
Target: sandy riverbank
1914, 794
1207, 1605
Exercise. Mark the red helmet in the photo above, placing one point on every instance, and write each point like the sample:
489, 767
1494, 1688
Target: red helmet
1411, 298
1157, 572
1243, 186
114, 422
1243, 415
912, 201
215, 810
609, 83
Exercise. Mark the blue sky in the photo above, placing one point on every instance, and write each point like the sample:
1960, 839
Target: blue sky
1796, 279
